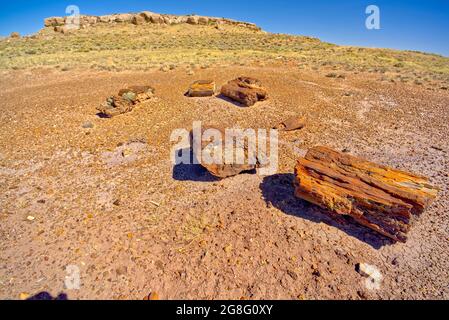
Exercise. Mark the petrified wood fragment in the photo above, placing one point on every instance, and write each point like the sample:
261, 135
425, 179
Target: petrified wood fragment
125, 100
201, 88
212, 150
244, 90
381, 198
292, 123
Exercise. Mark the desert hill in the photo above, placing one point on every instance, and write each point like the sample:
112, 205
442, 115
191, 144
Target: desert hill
149, 41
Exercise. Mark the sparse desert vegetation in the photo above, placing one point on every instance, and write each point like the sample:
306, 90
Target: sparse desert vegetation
128, 47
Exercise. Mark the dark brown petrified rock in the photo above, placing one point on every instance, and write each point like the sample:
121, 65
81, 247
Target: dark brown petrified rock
201, 88
244, 90
125, 100
383, 199
215, 147
293, 123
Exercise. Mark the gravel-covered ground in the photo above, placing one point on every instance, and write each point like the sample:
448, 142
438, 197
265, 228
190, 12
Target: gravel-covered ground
102, 194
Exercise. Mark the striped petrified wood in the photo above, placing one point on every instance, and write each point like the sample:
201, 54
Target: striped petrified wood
378, 197
201, 88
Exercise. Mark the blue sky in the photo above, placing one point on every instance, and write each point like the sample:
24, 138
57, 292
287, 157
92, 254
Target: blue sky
421, 25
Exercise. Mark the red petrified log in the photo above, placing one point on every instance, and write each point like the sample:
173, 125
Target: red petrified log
245, 90
381, 198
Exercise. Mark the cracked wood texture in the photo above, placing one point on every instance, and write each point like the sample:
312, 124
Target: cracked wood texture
378, 197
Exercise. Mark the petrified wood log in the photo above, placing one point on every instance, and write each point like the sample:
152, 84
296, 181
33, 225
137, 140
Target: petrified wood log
245, 90
381, 198
201, 88
125, 100
215, 148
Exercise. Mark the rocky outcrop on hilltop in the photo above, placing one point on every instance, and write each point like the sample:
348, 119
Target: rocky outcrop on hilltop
65, 24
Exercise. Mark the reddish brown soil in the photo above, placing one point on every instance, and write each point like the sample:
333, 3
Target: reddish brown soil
135, 224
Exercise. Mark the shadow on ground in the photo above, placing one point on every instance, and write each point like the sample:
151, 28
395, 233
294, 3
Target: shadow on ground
102, 115
189, 171
278, 190
235, 103
47, 296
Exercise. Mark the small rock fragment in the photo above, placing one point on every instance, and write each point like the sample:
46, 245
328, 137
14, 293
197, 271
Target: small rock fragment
291, 124
292, 274
31, 218
373, 275
152, 296
24, 295
155, 203
127, 153
165, 68
121, 270
88, 125
395, 261
228, 248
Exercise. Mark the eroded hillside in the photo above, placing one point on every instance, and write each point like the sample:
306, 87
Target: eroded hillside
150, 46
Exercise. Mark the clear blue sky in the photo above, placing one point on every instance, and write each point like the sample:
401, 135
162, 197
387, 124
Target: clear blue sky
405, 24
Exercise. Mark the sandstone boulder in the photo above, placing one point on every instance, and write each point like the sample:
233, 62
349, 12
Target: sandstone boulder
48, 22
201, 88
180, 19
146, 15
245, 90
152, 17
124, 18
378, 197
192, 20
63, 29
203, 20
15, 35
168, 20
157, 19
54, 21
106, 19
89, 20
125, 101
138, 19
